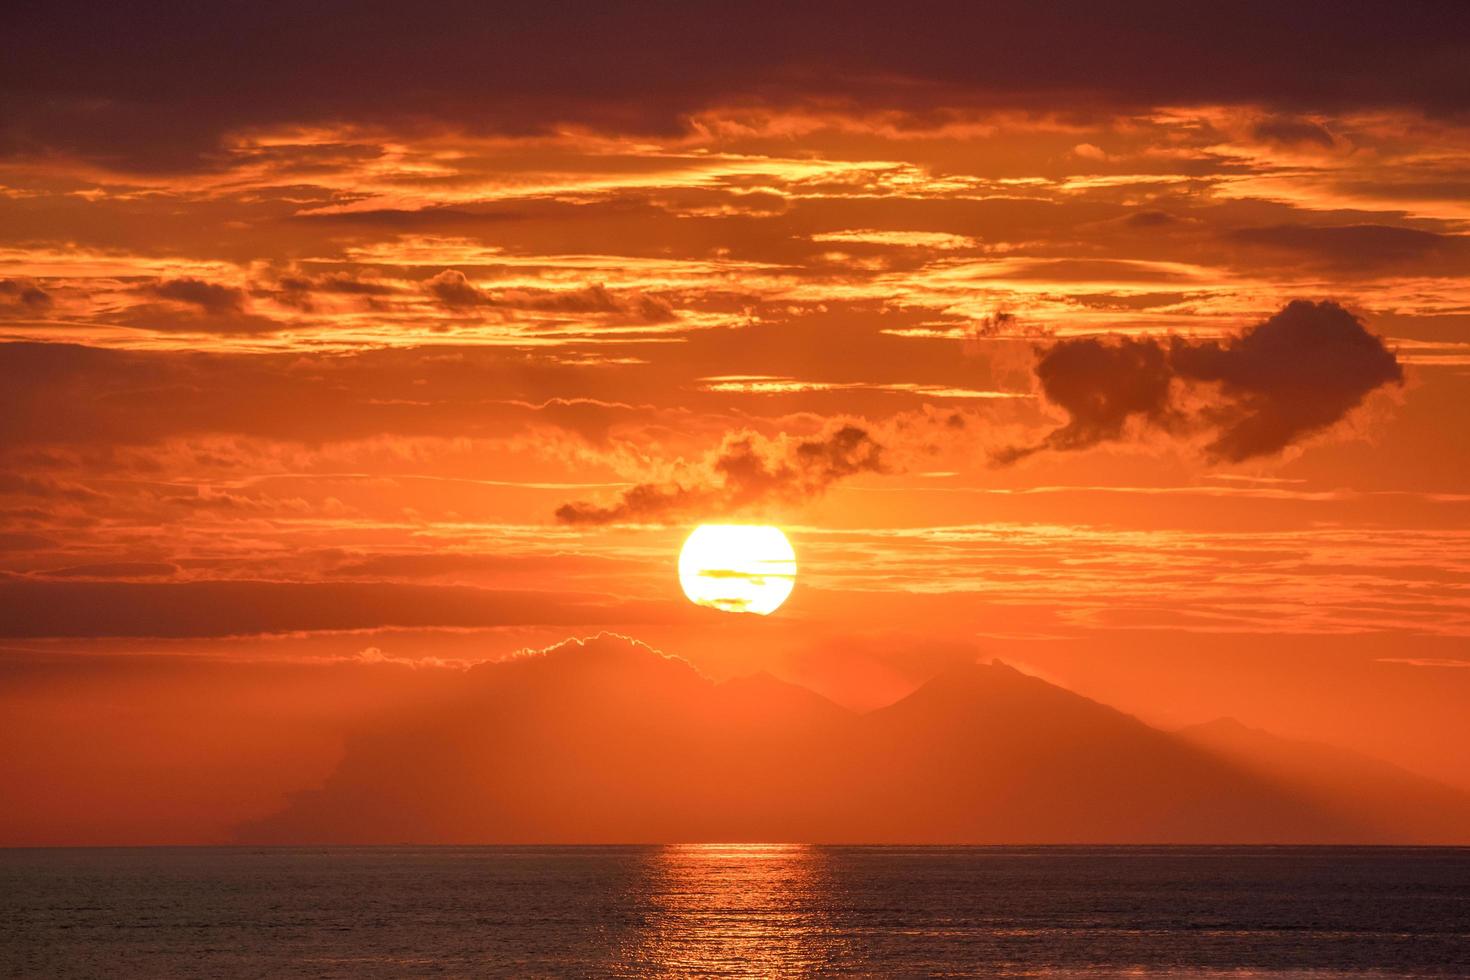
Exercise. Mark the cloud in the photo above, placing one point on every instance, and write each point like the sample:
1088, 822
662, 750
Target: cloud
1090, 151
297, 289
1150, 218
1451, 662
435, 565
454, 289
81, 608
747, 471
70, 394
162, 92
593, 299
1294, 132
1296, 374
24, 541
428, 217
338, 282
1354, 246
1102, 385
45, 488
23, 296
374, 655
208, 296
114, 569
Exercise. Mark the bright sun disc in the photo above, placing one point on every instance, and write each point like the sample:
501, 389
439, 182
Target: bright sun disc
737, 567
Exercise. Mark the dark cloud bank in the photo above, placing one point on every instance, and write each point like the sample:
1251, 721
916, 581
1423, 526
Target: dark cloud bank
158, 86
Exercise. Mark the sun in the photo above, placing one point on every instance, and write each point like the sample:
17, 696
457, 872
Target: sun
737, 567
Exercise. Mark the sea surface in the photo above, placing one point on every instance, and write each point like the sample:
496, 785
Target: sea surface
735, 910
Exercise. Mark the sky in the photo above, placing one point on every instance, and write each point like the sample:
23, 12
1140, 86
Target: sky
346, 346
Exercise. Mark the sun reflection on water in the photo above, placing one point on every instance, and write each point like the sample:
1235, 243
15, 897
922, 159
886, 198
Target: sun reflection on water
754, 910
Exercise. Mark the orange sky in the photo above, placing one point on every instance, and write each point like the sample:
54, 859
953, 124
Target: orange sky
327, 364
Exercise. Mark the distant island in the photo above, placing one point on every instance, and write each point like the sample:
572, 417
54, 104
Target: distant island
607, 740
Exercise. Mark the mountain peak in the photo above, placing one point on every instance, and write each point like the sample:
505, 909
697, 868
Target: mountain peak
1226, 724
765, 692
605, 649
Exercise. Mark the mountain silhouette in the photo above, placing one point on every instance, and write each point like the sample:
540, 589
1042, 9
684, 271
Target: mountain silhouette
607, 740
1394, 804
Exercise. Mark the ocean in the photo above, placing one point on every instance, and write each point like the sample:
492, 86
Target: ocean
735, 910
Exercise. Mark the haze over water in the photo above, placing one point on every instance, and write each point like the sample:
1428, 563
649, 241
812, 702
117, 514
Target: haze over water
736, 910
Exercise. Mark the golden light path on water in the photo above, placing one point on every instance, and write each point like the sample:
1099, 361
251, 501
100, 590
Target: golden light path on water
735, 910
738, 567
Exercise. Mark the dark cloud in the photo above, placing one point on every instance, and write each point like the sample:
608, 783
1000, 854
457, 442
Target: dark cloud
454, 289
1102, 385
341, 282
160, 88
1354, 246
114, 569
23, 295
297, 289
1296, 374
215, 322
592, 299
70, 394
419, 218
1150, 218
24, 541
748, 471
20, 484
1284, 129
208, 296
421, 565
34, 608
